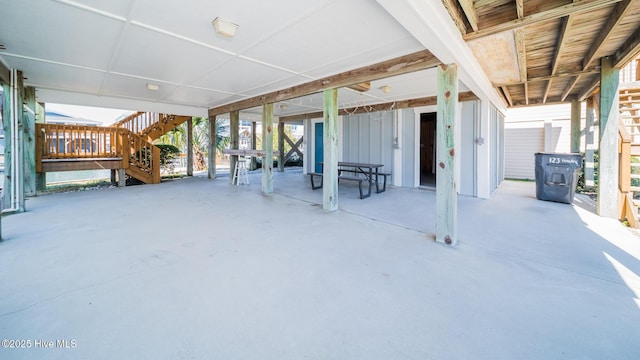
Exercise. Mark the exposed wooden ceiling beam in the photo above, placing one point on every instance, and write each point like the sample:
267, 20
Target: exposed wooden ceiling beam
552, 77
551, 14
562, 41
452, 9
521, 51
588, 90
569, 88
402, 104
520, 8
405, 64
526, 93
613, 21
628, 51
507, 95
5, 74
470, 12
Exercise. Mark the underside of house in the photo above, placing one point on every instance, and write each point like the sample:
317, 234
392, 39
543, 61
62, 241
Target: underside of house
419, 87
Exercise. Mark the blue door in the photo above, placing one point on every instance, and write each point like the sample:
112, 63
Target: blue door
319, 151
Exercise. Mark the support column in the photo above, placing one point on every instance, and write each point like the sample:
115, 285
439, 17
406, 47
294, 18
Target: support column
29, 143
13, 189
576, 130
41, 178
608, 155
254, 140
281, 146
330, 139
589, 144
234, 134
446, 193
267, 146
190, 147
213, 131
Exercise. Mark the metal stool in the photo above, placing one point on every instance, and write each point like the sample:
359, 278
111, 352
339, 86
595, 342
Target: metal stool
240, 174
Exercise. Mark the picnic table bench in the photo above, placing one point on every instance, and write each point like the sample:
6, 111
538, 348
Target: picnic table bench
356, 168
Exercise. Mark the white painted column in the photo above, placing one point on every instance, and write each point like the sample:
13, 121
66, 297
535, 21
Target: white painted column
483, 151
576, 129
446, 192
330, 167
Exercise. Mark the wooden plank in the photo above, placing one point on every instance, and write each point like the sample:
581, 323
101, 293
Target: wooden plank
628, 51
281, 136
562, 42
520, 8
446, 193
589, 90
29, 136
155, 169
559, 76
190, 147
213, 130
330, 167
618, 13
576, 130
551, 14
521, 51
569, 88
456, 16
589, 144
234, 134
405, 64
470, 12
80, 164
267, 146
507, 95
402, 104
607, 205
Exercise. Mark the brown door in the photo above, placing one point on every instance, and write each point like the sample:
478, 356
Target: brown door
427, 148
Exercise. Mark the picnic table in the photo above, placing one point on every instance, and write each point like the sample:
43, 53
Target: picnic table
370, 174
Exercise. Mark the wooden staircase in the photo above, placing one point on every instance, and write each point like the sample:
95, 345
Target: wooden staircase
125, 145
629, 149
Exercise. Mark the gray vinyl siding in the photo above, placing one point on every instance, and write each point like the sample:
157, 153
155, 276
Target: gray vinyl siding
468, 158
368, 138
408, 145
521, 145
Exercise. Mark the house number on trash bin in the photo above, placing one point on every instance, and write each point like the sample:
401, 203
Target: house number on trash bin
557, 160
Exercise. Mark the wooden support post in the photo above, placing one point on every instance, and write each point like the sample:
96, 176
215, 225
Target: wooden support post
234, 134
281, 158
608, 155
29, 143
6, 116
575, 126
14, 148
122, 177
446, 192
213, 131
589, 143
330, 139
254, 143
41, 177
114, 179
267, 146
190, 147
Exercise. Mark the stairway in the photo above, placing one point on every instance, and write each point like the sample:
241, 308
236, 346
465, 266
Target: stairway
629, 137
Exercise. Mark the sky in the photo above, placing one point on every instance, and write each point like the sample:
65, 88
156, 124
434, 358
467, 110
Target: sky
105, 116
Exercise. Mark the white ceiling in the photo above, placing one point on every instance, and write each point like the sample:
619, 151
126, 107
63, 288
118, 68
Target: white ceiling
103, 53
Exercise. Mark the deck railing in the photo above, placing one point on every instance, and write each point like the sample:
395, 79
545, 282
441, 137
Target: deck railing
77, 142
139, 122
627, 210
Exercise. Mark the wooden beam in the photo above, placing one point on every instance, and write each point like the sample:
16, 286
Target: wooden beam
254, 126
330, 160
456, 16
41, 178
551, 77
520, 8
615, 18
446, 193
470, 12
405, 64
607, 204
402, 104
526, 93
562, 41
521, 51
588, 90
190, 147
576, 129
551, 14
569, 88
5, 74
628, 51
213, 131
267, 146
281, 137
507, 95
234, 134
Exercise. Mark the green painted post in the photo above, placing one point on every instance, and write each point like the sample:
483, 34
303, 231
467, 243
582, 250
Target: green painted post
19, 171
575, 126
254, 138
212, 147
190, 147
330, 167
446, 193
281, 146
589, 144
607, 205
29, 143
234, 132
41, 178
8, 140
267, 146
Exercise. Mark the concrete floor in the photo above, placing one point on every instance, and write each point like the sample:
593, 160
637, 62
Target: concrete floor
199, 269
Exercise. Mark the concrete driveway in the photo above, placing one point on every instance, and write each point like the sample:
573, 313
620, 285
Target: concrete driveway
200, 269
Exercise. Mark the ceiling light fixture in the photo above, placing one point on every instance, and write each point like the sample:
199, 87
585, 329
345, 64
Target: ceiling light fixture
224, 27
385, 89
284, 106
362, 87
2, 47
153, 87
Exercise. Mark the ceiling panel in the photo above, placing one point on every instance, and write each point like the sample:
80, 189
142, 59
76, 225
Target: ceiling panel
128, 87
53, 76
153, 55
118, 8
58, 32
194, 96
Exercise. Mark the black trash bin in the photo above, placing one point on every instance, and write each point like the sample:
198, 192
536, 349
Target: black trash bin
557, 176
